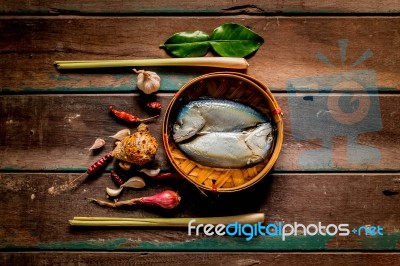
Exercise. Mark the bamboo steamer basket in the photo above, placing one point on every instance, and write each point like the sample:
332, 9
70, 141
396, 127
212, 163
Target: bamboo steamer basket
223, 85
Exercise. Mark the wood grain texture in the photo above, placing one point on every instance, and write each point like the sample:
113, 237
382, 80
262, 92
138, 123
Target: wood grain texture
294, 48
198, 258
38, 220
54, 132
196, 7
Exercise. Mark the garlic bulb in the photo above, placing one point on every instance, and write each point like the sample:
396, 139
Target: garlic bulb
147, 81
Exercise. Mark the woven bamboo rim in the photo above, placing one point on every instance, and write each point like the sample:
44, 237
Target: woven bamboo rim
250, 91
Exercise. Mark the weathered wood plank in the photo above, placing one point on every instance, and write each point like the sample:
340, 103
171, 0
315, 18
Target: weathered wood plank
198, 258
38, 220
54, 132
189, 6
295, 49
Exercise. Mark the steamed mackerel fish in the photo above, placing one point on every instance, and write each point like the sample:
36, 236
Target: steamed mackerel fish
230, 149
222, 133
214, 115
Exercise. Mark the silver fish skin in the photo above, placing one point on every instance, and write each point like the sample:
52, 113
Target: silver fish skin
214, 115
230, 149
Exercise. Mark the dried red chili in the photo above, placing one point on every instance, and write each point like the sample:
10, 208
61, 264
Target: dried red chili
96, 167
115, 177
154, 105
127, 117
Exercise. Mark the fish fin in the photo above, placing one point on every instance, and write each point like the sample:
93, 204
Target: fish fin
201, 133
254, 158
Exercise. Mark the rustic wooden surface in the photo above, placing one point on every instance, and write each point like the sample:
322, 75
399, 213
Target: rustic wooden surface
320, 68
289, 52
37, 120
198, 258
223, 7
180, 258
35, 220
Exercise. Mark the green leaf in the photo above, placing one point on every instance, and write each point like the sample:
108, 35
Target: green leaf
235, 40
230, 40
188, 44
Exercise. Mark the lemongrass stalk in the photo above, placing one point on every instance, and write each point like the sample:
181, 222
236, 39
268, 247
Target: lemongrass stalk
252, 218
220, 62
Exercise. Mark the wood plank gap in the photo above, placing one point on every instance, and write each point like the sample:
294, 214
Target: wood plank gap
268, 14
179, 15
277, 173
336, 171
168, 93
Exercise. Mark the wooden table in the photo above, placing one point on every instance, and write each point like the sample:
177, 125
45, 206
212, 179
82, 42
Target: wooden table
336, 76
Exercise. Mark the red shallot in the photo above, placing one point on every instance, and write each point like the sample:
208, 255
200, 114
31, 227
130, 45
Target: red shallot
167, 199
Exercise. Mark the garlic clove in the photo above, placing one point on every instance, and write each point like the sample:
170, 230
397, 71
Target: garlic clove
134, 182
120, 135
147, 81
114, 192
151, 172
98, 143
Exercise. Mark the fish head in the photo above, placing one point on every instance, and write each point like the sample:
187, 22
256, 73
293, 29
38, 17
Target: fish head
187, 125
259, 141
